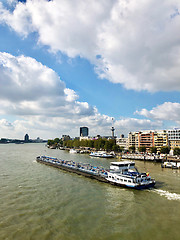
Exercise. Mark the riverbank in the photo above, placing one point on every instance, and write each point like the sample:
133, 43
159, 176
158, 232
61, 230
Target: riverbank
149, 157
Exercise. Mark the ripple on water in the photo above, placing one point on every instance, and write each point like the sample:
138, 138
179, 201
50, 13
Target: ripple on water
40, 202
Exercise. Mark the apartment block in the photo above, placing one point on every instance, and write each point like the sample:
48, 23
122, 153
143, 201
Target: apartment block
133, 140
122, 142
174, 138
160, 139
146, 139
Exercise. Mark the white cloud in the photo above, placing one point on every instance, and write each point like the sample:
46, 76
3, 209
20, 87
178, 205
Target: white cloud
168, 111
29, 88
126, 125
34, 92
5, 124
138, 42
42, 105
70, 95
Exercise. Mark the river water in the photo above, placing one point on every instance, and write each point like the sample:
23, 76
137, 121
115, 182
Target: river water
44, 203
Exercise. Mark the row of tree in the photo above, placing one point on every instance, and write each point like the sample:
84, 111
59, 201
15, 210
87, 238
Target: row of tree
105, 144
98, 144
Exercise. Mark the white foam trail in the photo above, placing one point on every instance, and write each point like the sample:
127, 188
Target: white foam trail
168, 195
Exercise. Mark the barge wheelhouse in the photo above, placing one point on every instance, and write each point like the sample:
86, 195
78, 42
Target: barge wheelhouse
126, 174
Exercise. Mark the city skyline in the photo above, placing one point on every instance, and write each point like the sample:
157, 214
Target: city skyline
62, 67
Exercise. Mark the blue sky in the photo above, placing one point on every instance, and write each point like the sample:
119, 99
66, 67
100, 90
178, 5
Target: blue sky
64, 65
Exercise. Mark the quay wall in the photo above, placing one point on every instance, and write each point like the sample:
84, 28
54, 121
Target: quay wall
152, 158
142, 157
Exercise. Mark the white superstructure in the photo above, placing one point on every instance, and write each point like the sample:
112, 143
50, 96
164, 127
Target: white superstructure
126, 174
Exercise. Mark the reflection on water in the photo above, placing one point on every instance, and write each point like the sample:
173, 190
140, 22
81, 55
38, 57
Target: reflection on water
41, 202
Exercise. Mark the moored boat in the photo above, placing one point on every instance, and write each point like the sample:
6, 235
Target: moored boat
171, 164
123, 173
73, 151
102, 154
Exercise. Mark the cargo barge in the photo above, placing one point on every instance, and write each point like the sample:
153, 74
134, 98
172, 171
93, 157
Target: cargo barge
123, 174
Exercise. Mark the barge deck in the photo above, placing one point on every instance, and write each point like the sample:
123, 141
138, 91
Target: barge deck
86, 170
123, 174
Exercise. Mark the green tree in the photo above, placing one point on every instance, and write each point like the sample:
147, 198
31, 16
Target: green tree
91, 143
50, 142
142, 149
68, 143
132, 149
76, 143
116, 148
165, 149
108, 146
153, 149
99, 144
176, 151
56, 140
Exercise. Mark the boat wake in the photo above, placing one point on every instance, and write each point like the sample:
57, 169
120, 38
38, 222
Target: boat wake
168, 195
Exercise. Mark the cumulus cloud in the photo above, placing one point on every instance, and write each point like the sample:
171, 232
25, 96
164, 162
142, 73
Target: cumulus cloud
133, 43
167, 111
36, 96
34, 92
126, 125
29, 88
70, 95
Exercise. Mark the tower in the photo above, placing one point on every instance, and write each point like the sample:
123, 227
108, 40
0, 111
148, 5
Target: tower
26, 138
84, 131
112, 129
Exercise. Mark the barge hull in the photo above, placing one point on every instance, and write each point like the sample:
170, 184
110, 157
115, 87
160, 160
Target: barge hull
77, 171
99, 175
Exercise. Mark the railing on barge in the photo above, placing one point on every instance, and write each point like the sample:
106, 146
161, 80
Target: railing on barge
85, 169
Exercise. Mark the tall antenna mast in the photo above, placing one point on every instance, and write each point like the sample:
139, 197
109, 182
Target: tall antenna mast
112, 129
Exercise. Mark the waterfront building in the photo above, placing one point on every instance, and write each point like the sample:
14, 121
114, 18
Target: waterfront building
122, 142
133, 140
84, 131
160, 139
174, 138
146, 139
85, 138
38, 140
66, 137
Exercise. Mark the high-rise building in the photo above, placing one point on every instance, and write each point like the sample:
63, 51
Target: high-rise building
84, 131
26, 138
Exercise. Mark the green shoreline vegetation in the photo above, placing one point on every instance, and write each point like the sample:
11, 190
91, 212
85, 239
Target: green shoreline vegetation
105, 144
98, 144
